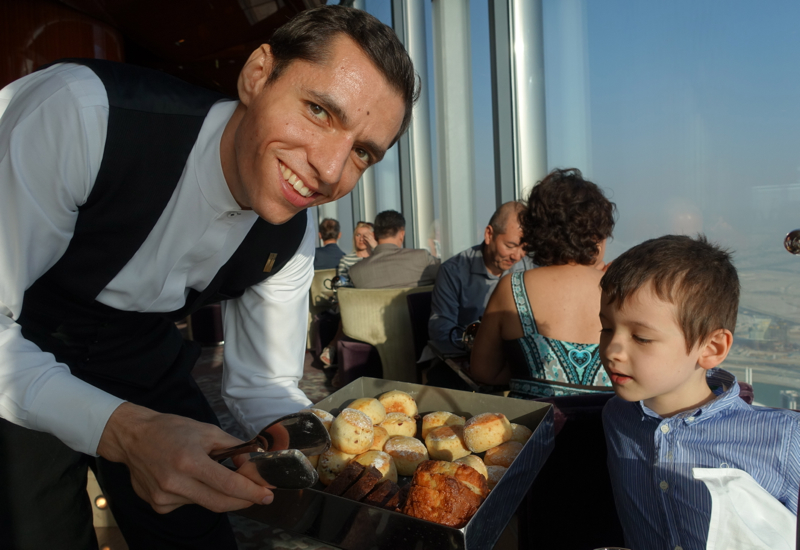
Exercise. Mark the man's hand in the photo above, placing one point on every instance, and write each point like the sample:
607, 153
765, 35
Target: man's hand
168, 459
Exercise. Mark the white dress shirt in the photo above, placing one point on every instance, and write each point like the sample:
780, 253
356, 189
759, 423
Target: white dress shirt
52, 135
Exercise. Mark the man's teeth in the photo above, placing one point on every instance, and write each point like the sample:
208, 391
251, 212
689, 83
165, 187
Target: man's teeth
296, 182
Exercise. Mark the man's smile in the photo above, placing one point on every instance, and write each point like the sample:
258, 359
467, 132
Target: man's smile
294, 181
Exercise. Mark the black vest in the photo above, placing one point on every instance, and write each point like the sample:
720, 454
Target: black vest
153, 123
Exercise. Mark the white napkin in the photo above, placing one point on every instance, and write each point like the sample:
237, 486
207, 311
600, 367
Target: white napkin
744, 516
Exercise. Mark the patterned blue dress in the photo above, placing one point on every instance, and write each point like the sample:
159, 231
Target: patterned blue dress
544, 367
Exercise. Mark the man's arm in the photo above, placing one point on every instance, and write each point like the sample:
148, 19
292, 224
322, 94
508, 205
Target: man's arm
265, 336
445, 302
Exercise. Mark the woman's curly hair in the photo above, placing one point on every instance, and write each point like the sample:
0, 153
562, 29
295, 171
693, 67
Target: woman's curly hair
565, 218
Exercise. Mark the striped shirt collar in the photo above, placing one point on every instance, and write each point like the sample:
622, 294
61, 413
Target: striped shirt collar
724, 386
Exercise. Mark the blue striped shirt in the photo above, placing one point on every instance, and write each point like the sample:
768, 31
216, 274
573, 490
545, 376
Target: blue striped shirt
650, 460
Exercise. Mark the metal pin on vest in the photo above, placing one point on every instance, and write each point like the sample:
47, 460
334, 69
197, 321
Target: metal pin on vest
270, 262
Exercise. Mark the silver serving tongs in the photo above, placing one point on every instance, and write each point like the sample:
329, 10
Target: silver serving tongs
278, 453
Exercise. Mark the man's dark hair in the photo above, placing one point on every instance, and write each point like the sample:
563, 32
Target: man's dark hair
499, 220
329, 229
309, 35
565, 219
388, 223
695, 275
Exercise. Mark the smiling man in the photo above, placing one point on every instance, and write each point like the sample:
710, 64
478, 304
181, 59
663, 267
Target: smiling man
130, 199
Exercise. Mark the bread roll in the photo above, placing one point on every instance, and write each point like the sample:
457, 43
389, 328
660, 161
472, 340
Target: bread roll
487, 430
447, 443
351, 432
381, 461
503, 455
495, 473
520, 433
380, 437
474, 461
397, 423
314, 460
399, 401
371, 407
439, 418
325, 416
331, 463
407, 452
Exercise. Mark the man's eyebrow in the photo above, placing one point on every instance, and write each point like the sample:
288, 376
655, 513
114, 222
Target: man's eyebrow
329, 104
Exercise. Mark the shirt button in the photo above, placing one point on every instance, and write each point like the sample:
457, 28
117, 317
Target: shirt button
679, 548
664, 429
690, 419
669, 455
664, 485
232, 214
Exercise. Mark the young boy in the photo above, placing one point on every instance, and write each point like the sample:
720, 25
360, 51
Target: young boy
668, 313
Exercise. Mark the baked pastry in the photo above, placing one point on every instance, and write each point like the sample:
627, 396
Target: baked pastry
474, 461
495, 473
325, 416
445, 492
399, 401
503, 455
331, 463
487, 430
447, 443
380, 437
351, 432
381, 461
382, 494
345, 479
371, 407
520, 433
407, 453
397, 423
433, 420
364, 484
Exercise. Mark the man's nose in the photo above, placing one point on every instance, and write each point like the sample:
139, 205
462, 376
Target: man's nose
330, 156
517, 254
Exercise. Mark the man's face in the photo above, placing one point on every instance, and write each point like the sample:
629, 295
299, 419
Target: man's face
305, 139
643, 350
503, 250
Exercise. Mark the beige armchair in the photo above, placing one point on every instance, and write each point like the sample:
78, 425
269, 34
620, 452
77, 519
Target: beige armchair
380, 317
320, 299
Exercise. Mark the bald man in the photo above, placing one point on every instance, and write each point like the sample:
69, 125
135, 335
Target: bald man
466, 281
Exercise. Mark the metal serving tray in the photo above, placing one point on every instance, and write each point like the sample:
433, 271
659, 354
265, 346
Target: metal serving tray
352, 525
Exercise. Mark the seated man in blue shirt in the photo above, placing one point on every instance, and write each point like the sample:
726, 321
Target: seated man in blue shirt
328, 255
466, 281
668, 313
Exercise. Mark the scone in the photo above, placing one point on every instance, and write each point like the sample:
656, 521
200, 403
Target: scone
351, 432
331, 463
371, 407
407, 452
380, 437
381, 461
495, 473
520, 433
399, 401
487, 430
397, 423
503, 455
446, 443
474, 461
439, 418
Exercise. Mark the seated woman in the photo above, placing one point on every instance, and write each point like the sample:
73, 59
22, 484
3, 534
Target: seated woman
541, 329
363, 243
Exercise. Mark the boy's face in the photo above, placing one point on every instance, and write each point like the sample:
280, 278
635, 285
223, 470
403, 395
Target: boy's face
643, 351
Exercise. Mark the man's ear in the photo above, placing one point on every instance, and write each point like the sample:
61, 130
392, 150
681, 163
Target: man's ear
487, 235
715, 349
255, 73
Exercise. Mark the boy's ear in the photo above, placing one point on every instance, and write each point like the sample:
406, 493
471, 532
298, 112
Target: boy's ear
254, 74
715, 349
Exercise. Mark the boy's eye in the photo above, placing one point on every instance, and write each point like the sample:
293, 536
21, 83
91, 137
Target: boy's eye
641, 340
318, 111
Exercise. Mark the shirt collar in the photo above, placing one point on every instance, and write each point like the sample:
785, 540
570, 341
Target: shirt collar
724, 386
207, 163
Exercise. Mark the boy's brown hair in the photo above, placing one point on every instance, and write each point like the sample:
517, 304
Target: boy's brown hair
695, 275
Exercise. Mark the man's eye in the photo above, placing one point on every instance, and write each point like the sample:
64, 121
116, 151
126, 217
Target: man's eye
362, 154
318, 111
